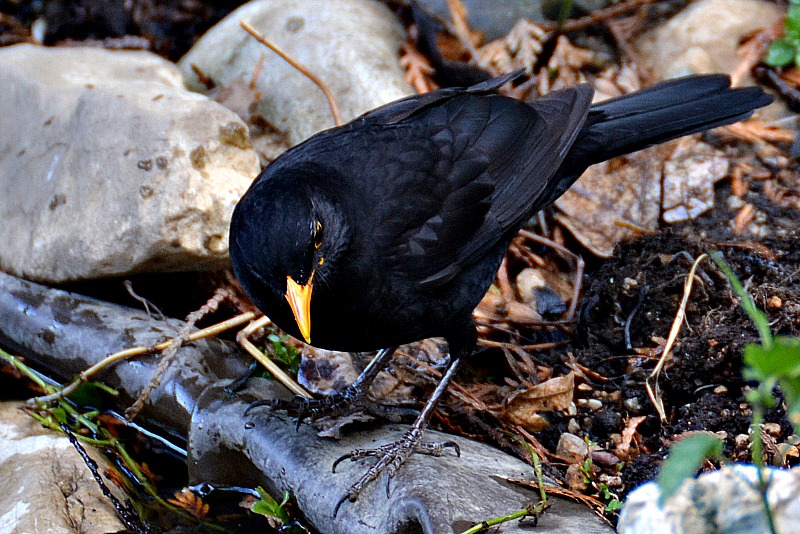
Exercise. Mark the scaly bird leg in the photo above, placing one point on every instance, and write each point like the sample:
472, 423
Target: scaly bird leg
393, 455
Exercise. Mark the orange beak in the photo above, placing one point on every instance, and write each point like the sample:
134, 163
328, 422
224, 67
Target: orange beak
299, 298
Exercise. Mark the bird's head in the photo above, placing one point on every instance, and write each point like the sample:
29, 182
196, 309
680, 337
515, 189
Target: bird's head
284, 240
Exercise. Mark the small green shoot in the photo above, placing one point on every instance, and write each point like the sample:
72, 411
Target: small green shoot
533, 509
284, 353
786, 50
613, 504
685, 459
269, 507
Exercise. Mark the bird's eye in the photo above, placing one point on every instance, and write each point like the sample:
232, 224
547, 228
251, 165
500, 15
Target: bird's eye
318, 235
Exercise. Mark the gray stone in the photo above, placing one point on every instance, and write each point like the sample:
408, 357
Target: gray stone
46, 485
353, 46
703, 37
725, 501
111, 167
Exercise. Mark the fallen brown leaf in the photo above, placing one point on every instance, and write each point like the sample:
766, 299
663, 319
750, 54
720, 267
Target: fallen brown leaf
523, 406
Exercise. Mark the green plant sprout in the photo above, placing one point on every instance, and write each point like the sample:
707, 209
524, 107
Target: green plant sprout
786, 50
279, 512
533, 509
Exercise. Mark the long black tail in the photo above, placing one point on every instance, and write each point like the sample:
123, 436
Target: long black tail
660, 113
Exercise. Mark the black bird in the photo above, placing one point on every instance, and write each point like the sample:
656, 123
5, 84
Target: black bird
390, 229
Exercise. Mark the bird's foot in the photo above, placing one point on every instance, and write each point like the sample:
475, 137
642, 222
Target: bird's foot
391, 458
303, 408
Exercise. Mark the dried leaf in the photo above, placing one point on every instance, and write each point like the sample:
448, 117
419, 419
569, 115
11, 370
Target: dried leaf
613, 198
628, 433
524, 406
190, 502
689, 177
419, 71
520, 48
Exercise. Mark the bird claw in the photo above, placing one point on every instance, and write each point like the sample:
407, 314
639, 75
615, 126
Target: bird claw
391, 458
304, 408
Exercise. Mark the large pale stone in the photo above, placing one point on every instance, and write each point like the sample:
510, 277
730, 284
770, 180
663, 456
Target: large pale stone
353, 46
109, 166
46, 487
726, 501
703, 37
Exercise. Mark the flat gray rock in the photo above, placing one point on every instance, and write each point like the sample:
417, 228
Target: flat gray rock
110, 166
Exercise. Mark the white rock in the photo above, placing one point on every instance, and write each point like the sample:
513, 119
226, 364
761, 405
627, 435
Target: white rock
109, 166
703, 37
353, 46
46, 485
724, 501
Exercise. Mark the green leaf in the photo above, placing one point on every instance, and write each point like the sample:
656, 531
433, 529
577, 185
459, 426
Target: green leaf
792, 22
781, 360
780, 53
685, 458
269, 507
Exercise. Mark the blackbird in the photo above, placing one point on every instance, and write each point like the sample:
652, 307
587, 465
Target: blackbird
390, 229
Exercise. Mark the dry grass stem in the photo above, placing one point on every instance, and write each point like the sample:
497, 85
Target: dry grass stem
337, 116
653, 391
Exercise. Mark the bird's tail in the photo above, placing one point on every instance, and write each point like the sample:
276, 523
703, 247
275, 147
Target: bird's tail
657, 114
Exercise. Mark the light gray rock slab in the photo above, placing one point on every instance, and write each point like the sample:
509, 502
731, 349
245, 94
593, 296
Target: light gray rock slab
703, 37
352, 45
46, 486
110, 166
725, 501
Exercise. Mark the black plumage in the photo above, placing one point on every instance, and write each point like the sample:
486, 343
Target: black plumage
395, 224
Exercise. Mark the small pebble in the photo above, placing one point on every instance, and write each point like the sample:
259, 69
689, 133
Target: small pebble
573, 426
775, 302
594, 404
571, 448
633, 405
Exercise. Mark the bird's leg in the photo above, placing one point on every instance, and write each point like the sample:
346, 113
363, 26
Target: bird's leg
392, 456
338, 403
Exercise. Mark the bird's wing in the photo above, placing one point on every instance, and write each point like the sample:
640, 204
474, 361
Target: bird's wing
455, 178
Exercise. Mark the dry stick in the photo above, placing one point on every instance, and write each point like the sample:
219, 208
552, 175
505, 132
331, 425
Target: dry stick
654, 392
138, 351
243, 339
171, 351
337, 117
596, 17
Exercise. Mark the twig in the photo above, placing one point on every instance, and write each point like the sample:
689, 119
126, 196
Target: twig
337, 116
596, 17
146, 303
654, 392
183, 337
243, 339
138, 351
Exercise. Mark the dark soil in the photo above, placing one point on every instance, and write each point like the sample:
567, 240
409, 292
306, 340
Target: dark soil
639, 292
